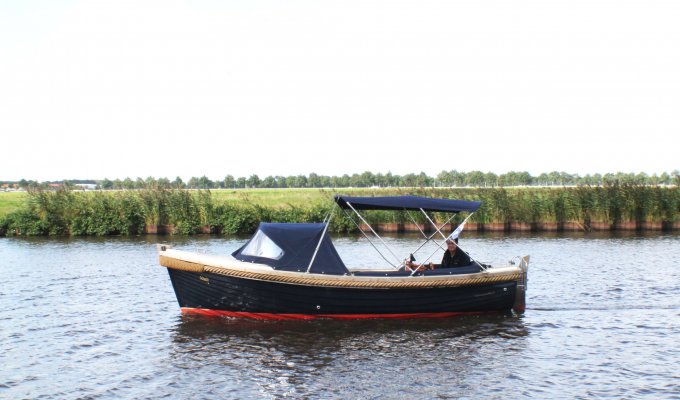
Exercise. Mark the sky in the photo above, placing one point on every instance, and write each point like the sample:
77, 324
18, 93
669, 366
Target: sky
115, 89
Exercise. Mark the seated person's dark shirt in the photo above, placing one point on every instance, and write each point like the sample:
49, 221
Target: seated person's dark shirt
459, 259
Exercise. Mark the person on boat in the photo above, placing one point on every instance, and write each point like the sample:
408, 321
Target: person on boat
453, 257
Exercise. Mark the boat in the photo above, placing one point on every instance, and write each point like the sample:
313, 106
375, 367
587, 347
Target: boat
292, 271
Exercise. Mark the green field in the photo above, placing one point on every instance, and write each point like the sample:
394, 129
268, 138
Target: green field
297, 197
11, 201
271, 197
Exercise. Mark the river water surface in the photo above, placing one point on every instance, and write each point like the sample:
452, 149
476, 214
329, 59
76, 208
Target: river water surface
97, 318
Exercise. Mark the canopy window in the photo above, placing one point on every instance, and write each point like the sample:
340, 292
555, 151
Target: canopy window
292, 247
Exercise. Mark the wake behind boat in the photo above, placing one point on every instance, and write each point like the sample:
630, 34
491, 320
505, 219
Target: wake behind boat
293, 271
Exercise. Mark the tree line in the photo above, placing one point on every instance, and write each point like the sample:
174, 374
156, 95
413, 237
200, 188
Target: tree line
452, 178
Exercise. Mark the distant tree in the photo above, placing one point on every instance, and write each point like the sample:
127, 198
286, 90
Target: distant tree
609, 179
524, 178
367, 179
336, 182
554, 178
570, 179
409, 180
475, 178
642, 179
592, 180
106, 184
292, 182
355, 180
35, 185
391, 180
424, 181
229, 182
501, 180
376, 180
150, 182
506, 179
445, 178
626, 178
254, 181
653, 179
301, 181
313, 180
164, 183
205, 183
490, 179
281, 181
345, 181
458, 178
128, 184
324, 181
68, 185
268, 182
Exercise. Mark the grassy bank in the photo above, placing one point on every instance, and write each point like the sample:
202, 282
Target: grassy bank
124, 212
11, 201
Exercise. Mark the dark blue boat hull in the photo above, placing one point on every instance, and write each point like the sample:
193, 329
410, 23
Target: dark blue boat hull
237, 296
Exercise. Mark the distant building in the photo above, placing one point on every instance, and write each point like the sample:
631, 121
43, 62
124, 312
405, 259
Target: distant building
86, 186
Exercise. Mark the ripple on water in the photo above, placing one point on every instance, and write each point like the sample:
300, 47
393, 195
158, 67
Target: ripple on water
98, 319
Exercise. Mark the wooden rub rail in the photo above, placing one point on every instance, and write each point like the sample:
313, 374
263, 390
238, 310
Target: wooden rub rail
343, 281
181, 265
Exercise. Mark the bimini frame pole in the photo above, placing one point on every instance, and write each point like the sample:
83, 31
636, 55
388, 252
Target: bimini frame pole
318, 245
376, 235
368, 238
459, 248
428, 238
435, 225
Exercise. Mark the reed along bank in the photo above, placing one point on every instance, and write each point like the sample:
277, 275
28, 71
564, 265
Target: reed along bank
176, 211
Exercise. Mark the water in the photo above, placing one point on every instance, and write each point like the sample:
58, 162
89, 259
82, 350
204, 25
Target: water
97, 318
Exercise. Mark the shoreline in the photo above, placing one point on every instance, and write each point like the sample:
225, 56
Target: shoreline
182, 212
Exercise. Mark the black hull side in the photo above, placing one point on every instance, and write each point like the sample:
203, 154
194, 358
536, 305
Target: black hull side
218, 292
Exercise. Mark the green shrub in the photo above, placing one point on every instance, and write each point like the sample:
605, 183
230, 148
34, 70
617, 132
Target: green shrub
64, 212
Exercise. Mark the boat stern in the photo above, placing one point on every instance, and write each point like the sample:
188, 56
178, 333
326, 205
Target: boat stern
520, 294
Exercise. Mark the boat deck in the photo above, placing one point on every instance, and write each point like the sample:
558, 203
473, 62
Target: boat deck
469, 269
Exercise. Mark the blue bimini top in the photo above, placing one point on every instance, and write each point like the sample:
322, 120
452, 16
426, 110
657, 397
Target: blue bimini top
407, 203
290, 247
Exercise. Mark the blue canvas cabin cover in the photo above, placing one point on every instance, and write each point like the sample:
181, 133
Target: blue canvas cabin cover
407, 203
290, 247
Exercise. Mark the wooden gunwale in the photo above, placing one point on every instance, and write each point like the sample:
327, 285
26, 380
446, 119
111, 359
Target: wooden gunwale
176, 261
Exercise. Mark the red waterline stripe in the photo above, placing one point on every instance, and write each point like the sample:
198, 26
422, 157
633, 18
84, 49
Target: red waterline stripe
279, 317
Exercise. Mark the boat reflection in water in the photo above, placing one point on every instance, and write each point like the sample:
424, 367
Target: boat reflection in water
292, 271
340, 359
